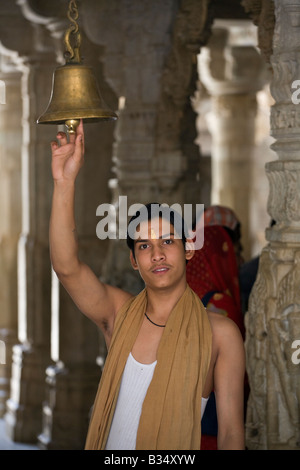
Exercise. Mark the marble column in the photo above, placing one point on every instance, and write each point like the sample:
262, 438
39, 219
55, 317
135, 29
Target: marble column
133, 63
10, 215
273, 319
54, 371
232, 70
32, 355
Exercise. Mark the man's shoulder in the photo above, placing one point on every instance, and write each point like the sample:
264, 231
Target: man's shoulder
227, 341
223, 328
218, 319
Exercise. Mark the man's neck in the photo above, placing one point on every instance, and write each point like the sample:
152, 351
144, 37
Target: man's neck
160, 303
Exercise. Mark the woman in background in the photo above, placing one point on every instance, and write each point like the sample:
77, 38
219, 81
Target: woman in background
213, 273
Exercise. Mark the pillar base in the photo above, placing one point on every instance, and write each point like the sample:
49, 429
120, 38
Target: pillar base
24, 411
70, 397
7, 339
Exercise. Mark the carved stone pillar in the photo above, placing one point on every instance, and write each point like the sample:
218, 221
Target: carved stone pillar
56, 342
133, 62
32, 355
273, 320
232, 71
10, 214
30, 51
151, 72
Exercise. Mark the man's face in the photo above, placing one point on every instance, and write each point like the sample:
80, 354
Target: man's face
160, 256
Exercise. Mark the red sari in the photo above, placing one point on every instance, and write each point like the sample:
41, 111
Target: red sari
213, 274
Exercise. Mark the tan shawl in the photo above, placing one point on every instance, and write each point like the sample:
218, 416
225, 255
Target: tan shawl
171, 413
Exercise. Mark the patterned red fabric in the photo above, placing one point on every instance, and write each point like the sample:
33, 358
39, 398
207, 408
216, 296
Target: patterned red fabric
214, 268
220, 215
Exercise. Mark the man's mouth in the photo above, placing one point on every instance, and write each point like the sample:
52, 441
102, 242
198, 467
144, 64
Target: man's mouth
160, 269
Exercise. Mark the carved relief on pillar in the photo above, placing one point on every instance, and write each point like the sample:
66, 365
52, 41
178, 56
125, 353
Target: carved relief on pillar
257, 351
284, 196
273, 323
285, 331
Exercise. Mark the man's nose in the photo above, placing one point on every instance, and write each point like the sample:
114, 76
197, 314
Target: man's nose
157, 253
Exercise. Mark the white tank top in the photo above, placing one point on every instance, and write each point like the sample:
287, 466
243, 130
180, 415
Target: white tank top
134, 385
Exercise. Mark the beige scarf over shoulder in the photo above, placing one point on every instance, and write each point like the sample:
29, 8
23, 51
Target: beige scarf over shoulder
171, 413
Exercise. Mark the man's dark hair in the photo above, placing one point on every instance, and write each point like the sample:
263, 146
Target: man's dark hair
154, 210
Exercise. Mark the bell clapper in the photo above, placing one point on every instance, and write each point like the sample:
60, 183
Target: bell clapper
71, 125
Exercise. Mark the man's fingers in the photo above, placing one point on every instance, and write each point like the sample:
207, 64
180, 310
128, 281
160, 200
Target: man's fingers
80, 132
79, 141
80, 127
54, 145
72, 138
69, 145
62, 138
79, 149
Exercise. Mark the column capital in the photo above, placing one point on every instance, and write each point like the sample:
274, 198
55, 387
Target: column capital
230, 62
38, 25
52, 15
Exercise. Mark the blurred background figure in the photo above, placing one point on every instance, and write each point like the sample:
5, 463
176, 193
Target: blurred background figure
213, 273
225, 217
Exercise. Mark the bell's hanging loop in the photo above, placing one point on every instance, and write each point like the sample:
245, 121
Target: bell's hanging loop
75, 94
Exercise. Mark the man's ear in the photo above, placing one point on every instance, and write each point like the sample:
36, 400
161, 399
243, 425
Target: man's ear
189, 249
133, 261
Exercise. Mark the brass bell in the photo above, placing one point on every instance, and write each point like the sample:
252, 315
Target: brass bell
75, 94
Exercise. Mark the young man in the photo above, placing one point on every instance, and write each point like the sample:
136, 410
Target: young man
165, 352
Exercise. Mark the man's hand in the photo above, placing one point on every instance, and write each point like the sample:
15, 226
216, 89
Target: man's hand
67, 157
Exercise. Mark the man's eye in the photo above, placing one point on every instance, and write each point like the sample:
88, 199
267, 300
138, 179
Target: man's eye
143, 246
169, 241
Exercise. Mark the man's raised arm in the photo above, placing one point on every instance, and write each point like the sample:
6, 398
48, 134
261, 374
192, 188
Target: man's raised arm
96, 300
67, 159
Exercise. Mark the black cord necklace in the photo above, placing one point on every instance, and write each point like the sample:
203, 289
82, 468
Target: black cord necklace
156, 324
